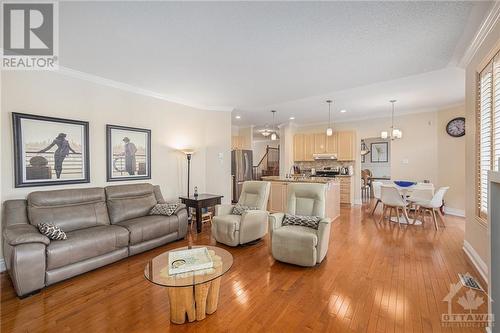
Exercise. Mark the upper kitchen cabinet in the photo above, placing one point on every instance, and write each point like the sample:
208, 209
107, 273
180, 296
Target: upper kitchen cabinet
332, 146
298, 147
308, 147
319, 143
346, 146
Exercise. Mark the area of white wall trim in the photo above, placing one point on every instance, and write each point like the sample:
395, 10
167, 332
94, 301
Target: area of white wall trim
127, 87
488, 24
476, 260
2, 265
454, 211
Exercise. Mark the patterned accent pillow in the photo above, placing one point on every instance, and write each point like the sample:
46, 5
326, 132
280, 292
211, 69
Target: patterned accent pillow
166, 209
239, 209
52, 231
304, 221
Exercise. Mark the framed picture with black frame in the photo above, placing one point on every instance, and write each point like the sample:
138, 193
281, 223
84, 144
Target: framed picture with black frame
379, 152
50, 151
128, 153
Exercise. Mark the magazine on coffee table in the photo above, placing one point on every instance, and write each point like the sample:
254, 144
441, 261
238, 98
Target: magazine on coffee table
189, 260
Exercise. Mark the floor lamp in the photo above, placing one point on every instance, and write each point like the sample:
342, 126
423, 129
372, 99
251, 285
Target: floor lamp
189, 153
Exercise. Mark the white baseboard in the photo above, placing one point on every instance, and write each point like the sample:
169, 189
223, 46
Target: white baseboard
476, 260
454, 211
2, 265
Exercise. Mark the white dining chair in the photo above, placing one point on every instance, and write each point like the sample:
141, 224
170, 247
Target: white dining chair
393, 200
432, 206
377, 188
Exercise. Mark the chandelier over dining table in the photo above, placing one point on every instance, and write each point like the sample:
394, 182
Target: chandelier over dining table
394, 133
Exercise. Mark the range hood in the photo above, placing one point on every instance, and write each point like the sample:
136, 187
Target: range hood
325, 156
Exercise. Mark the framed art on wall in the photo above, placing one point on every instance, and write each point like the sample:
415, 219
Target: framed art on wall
379, 152
128, 153
50, 151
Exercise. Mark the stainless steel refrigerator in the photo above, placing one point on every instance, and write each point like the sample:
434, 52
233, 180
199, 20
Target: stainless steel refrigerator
241, 170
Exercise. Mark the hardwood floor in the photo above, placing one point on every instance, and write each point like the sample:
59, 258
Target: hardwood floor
375, 278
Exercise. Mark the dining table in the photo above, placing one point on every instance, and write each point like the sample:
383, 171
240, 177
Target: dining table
406, 193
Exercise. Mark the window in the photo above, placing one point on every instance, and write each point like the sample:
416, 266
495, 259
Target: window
488, 136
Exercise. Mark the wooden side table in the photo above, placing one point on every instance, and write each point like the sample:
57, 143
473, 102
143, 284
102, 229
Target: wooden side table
199, 202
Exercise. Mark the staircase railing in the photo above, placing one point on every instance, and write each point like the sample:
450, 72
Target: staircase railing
269, 164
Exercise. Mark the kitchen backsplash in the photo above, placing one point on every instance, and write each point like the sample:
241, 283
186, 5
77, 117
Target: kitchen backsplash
321, 164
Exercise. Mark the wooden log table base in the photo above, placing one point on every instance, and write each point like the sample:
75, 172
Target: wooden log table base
195, 302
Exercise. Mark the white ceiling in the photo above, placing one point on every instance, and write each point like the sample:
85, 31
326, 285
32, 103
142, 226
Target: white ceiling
256, 55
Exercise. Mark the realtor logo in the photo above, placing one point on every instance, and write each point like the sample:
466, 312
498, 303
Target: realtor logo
30, 36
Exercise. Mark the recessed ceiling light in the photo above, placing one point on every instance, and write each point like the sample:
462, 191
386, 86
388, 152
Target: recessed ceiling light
343, 111
292, 118
238, 117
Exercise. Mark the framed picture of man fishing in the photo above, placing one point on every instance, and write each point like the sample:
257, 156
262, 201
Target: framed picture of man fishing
128, 153
50, 151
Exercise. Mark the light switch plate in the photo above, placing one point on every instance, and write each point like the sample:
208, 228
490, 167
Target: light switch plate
405, 161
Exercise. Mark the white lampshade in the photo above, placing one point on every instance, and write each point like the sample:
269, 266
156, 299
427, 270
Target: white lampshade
384, 134
329, 131
397, 134
274, 137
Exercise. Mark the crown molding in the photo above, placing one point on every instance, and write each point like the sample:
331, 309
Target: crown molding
486, 27
375, 117
136, 90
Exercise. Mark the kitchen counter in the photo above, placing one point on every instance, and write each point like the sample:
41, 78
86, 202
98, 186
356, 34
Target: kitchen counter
278, 196
321, 180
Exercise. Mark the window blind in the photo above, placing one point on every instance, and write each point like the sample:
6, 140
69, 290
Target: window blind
488, 120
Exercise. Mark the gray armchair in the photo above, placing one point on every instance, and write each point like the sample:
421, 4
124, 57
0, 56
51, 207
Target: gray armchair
301, 245
231, 229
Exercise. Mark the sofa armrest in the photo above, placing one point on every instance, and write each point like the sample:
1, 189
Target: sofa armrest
23, 234
253, 225
224, 209
323, 238
275, 221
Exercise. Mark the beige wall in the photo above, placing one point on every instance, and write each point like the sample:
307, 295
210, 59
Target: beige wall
451, 160
416, 155
173, 126
475, 232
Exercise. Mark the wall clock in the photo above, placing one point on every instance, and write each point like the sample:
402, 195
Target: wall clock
456, 127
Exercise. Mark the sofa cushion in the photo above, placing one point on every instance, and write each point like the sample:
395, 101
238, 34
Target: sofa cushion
150, 227
70, 210
84, 244
52, 231
129, 201
295, 244
305, 221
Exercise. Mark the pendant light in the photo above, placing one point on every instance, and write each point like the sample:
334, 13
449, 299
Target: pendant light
274, 136
393, 133
329, 130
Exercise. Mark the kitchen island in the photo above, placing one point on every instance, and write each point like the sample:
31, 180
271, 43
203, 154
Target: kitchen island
279, 193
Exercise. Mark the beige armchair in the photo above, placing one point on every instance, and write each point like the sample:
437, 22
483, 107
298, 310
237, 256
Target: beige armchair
231, 229
301, 245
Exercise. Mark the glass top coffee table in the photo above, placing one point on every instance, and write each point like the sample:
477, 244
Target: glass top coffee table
192, 294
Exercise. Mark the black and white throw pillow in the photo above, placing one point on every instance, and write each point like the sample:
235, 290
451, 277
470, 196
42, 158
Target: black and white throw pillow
52, 231
304, 221
164, 209
239, 209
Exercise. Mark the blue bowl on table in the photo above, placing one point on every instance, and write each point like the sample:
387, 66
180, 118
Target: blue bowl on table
404, 183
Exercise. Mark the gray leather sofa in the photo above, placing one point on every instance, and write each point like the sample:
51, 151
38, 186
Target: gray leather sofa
103, 225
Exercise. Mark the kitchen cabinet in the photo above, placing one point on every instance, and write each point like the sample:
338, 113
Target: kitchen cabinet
345, 189
319, 143
298, 147
346, 144
308, 147
342, 143
278, 197
332, 143
237, 142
